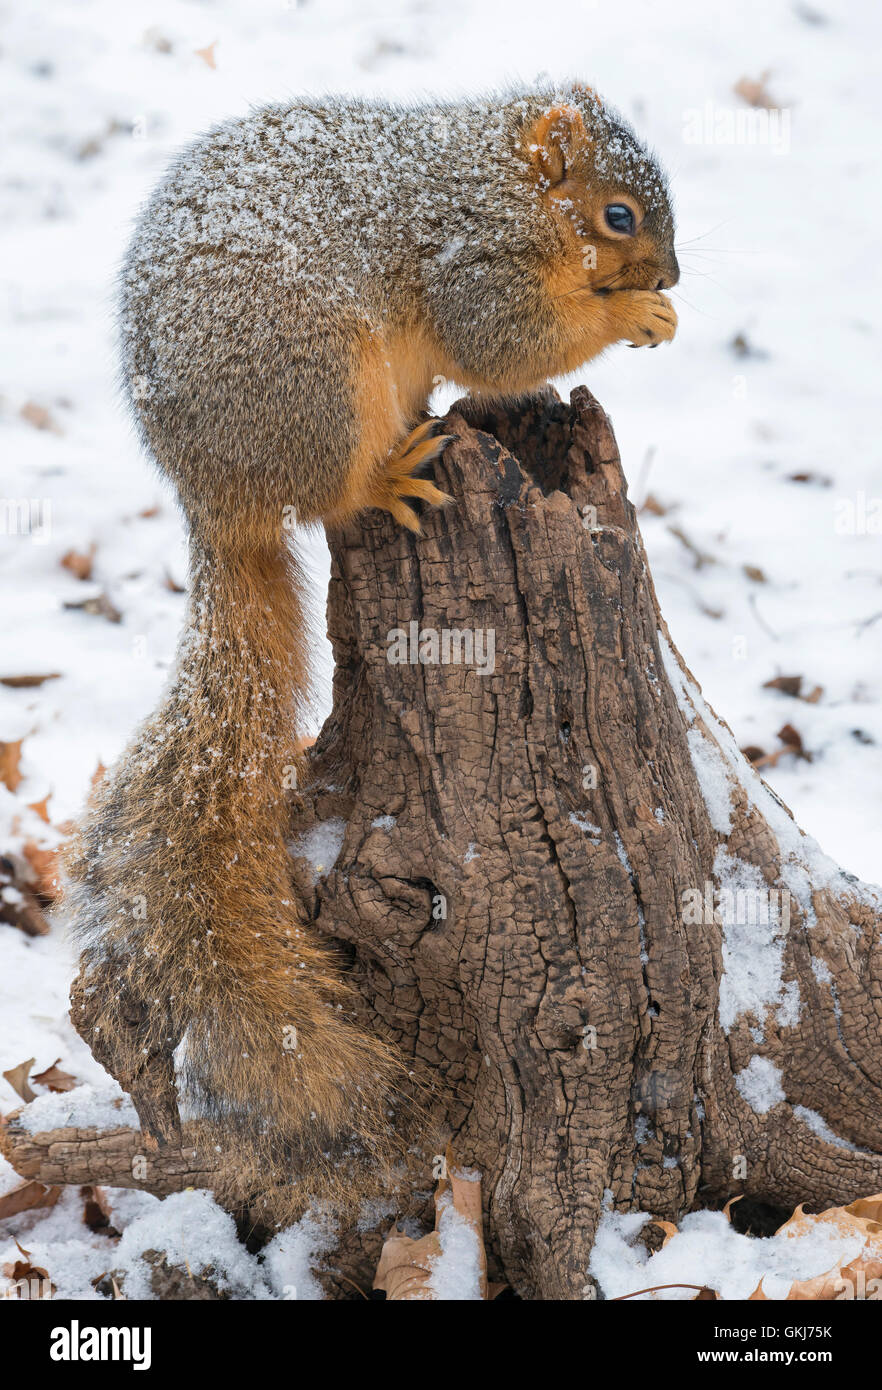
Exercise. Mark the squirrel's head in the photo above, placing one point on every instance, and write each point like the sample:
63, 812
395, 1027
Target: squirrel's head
607, 189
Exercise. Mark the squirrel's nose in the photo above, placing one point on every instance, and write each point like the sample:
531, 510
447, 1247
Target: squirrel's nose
671, 275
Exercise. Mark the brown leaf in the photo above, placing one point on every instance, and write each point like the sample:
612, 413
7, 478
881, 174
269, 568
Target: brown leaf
46, 864
98, 775
706, 1295
207, 55
792, 685
669, 1229
755, 573
754, 754
405, 1265
79, 562
727, 1209
788, 685
28, 682
861, 1218
27, 1197
41, 807
39, 417
792, 740
56, 1080
21, 909
18, 1080
10, 757
22, 1271
99, 607
96, 1211
753, 90
172, 584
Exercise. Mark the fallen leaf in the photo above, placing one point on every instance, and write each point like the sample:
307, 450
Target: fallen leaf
172, 584
96, 1211
754, 754
754, 91
669, 1229
18, 1080
23, 1272
862, 1276
27, 1197
98, 606
207, 54
41, 807
10, 757
727, 1209
27, 682
46, 864
56, 1080
39, 417
792, 685
405, 1266
79, 562
792, 740
19, 906
98, 775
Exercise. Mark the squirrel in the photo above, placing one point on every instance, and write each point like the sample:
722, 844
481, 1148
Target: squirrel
297, 284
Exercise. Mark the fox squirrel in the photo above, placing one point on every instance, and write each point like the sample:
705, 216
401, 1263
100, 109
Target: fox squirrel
296, 284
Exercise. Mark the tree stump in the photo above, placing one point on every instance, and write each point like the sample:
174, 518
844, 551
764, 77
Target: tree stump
560, 889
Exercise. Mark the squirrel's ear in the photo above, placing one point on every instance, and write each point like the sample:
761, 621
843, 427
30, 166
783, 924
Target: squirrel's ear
554, 140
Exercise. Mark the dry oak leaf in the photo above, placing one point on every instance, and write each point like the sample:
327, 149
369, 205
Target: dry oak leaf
79, 562
23, 1272
39, 417
27, 1197
406, 1266
28, 682
10, 758
46, 866
19, 906
18, 1080
860, 1278
96, 1211
56, 1080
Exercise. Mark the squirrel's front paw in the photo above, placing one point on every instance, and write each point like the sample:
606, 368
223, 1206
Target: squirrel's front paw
646, 317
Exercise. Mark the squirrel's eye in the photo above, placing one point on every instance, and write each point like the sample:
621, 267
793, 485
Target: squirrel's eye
620, 218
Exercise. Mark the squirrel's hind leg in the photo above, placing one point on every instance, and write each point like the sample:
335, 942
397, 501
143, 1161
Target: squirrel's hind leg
381, 472
395, 480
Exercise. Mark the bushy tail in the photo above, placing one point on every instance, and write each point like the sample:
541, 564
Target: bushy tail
181, 877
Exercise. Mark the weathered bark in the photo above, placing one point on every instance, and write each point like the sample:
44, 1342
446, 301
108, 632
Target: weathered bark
109, 1158
520, 850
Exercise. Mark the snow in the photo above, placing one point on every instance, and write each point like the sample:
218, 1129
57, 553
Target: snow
321, 846
759, 1083
85, 1107
456, 1273
707, 1250
713, 781
290, 1258
193, 1233
98, 96
753, 945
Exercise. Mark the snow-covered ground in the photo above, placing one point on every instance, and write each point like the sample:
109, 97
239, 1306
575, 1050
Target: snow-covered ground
756, 433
